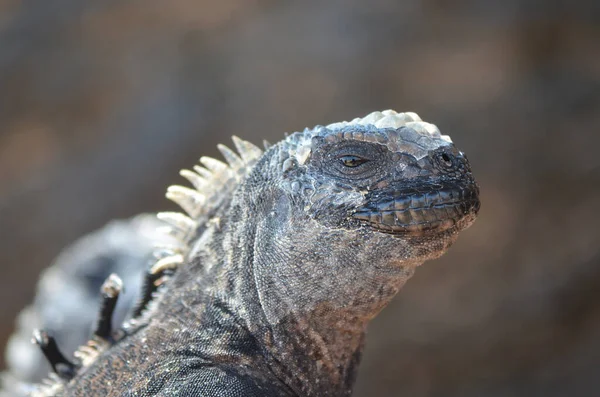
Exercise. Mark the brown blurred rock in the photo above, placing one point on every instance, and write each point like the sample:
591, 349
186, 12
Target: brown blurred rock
102, 102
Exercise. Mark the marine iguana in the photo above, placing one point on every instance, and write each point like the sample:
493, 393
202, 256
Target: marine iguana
283, 258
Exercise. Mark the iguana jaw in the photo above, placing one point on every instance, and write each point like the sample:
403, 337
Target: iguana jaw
427, 209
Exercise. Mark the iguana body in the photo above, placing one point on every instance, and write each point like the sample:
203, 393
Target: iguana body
285, 257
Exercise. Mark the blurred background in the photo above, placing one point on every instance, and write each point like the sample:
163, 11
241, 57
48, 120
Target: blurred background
102, 102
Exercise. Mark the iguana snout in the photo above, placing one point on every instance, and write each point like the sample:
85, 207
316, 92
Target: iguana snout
426, 208
442, 196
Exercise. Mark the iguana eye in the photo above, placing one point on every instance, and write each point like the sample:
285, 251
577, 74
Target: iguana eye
351, 161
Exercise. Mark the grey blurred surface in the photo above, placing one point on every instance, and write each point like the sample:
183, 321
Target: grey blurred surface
67, 296
101, 102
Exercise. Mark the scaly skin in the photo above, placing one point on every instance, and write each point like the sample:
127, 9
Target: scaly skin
287, 266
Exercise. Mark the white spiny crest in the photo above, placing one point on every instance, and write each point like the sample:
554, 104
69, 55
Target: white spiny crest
169, 262
204, 173
189, 199
208, 181
181, 226
217, 167
213, 180
88, 353
196, 180
232, 158
247, 150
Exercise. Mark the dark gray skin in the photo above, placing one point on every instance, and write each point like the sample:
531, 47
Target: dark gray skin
283, 277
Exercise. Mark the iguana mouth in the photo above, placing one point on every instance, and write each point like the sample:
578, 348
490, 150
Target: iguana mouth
432, 207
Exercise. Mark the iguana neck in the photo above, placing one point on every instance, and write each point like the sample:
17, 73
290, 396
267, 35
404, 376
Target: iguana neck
317, 342
305, 317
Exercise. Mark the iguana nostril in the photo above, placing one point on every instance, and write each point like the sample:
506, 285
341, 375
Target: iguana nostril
447, 159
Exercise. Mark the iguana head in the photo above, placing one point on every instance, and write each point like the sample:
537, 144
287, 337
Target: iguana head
388, 177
